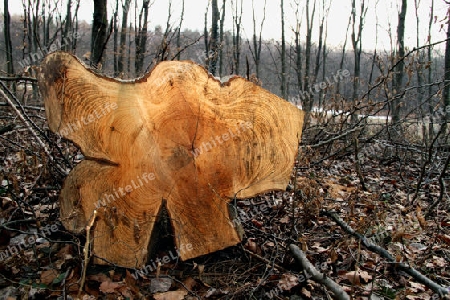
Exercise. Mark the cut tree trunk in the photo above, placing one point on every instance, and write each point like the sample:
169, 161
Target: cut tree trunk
175, 140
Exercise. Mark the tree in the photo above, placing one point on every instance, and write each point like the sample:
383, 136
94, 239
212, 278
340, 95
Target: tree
99, 32
222, 44
257, 39
446, 91
141, 38
179, 32
399, 70
237, 22
214, 43
356, 38
283, 55
7, 35
123, 36
309, 99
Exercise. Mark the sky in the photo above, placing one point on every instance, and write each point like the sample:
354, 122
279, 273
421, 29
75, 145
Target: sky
380, 14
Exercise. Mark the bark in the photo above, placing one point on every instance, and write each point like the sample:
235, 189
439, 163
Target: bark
99, 31
429, 75
222, 42
446, 91
237, 22
257, 39
356, 36
123, 37
116, 39
214, 44
67, 26
283, 56
178, 56
309, 99
7, 35
400, 69
141, 39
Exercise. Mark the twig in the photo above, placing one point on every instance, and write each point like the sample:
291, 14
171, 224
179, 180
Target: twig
30, 124
384, 253
86, 251
7, 128
358, 165
441, 187
265, 260
317, 276
336, 137
40, 142
18, 78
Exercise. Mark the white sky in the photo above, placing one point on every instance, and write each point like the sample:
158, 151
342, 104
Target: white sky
387, 12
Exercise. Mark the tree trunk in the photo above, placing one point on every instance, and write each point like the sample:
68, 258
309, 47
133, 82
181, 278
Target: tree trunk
214, 44
222, 44
446, 91
116, 39
123, 37
179, 32
7, 35
99, 31
400, 69
68, 26
357, 48
237, 22
309, 99
283, 55
141, 39
173, 143
429, 75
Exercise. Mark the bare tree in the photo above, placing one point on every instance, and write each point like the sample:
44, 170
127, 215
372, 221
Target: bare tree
7, 35
398, 80
257, 39
357, 28
141, 38
222, 21
283, 55
429, 57
179, 32
123, 36
99, 31
298, 48
446, 91
237, 22
116, 39
214, 43
323, 42
309, 99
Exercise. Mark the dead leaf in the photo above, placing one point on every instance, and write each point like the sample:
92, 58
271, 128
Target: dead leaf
306, 293
287, 282
48, 276
172, 295
109, 286
420, 218
160, 285
355, 277
284, 220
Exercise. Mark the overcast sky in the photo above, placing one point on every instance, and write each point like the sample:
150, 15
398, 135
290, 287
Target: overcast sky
381, 12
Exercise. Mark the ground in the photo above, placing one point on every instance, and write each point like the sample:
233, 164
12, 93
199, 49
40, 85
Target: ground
39, 259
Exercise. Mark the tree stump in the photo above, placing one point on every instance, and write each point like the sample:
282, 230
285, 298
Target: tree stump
177, 138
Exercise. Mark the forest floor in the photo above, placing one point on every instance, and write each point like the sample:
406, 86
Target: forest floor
39, 259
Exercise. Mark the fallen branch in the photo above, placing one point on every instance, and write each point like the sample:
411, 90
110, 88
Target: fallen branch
7, 128
317, 276
33, 132
384, 253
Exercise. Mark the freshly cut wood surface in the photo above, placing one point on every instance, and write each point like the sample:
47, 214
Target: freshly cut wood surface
176, 136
